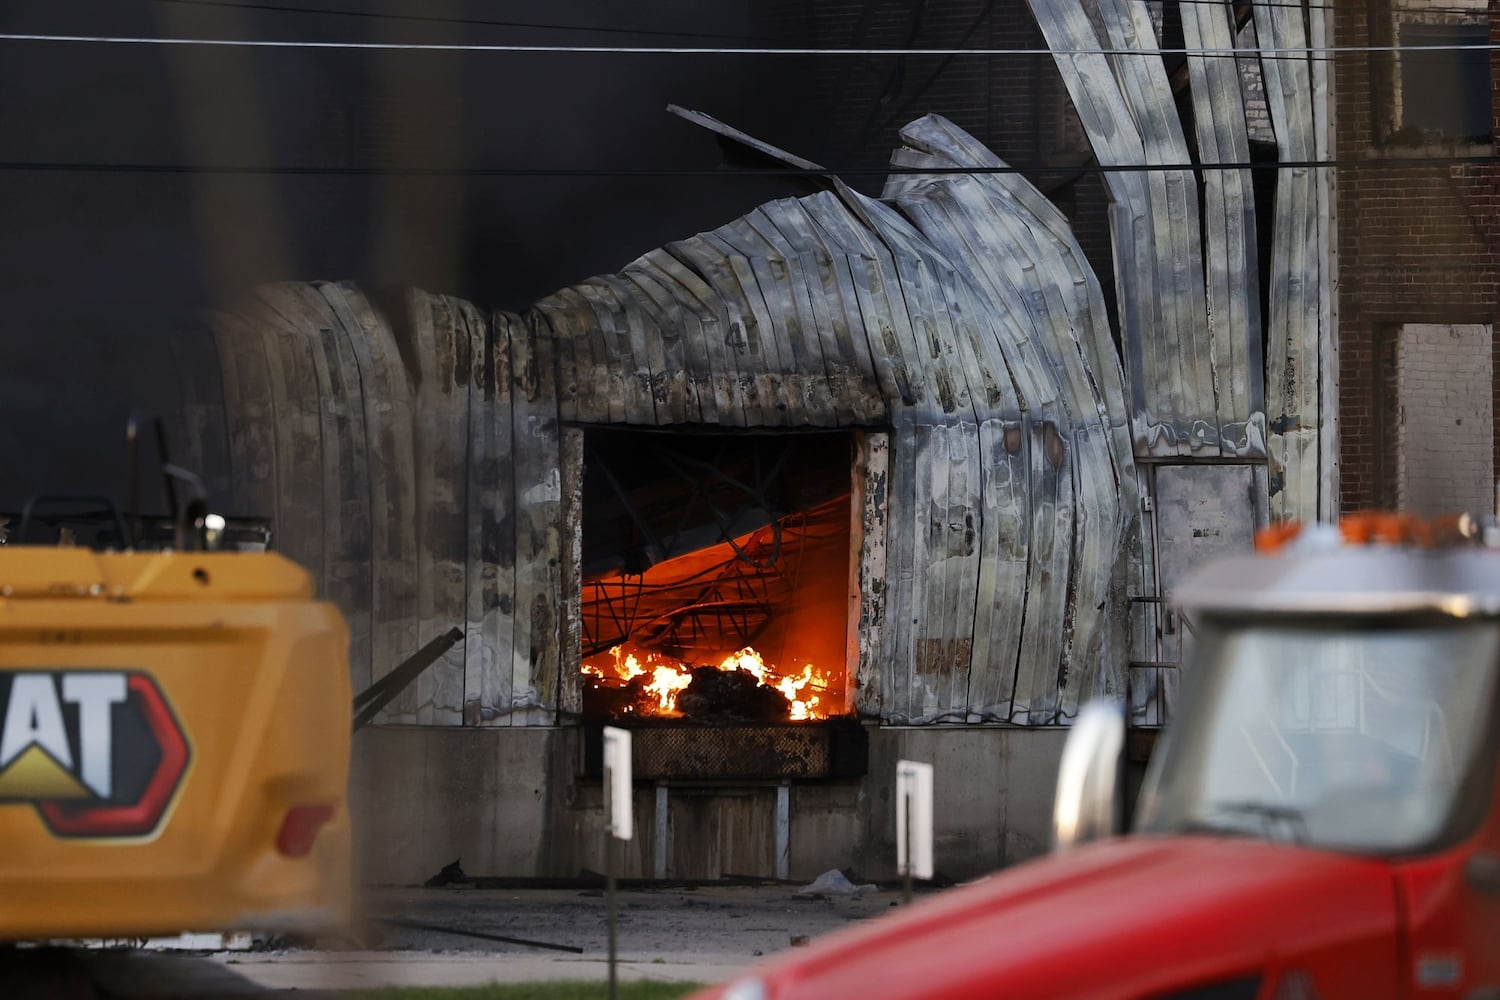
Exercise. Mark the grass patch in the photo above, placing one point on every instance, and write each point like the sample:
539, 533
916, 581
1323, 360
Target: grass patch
532, 991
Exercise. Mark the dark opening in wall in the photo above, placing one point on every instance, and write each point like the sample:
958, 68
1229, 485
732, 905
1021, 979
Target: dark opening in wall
1444, 94
715, 575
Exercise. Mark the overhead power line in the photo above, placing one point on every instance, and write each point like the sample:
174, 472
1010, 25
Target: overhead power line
474, 21
693, 50
18, 166
247, 5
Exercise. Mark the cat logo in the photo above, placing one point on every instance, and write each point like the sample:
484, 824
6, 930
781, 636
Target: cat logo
97, 753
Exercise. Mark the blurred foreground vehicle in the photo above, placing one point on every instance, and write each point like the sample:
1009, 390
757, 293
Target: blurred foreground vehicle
174, 726
1320, 820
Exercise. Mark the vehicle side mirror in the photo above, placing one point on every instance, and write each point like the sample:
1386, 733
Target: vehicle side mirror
1089, 797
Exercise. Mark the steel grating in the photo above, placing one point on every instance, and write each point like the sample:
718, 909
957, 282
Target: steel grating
670, 752
731, 752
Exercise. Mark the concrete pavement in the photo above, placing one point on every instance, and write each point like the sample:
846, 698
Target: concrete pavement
365, 970
703, 935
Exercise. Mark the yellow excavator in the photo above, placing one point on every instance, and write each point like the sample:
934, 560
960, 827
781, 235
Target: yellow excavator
175, 724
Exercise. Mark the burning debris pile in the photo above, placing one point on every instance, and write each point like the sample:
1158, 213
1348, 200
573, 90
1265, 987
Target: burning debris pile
632, 680
730, 696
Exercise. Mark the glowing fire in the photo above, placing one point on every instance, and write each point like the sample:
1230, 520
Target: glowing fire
670, 677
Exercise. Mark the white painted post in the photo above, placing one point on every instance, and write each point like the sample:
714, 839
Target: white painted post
619, 824
619, 817
913, 822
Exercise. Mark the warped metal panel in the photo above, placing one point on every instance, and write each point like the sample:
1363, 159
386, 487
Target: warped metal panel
1039, 664
489, 504
1233, 285
442, 402
342, 449
1065, 369
296, 456
537, 470
1295, 334
937, 488
1188, 395
1186, 313
386, 396
1320, 27
490, 580
570, 696
1004, 541
1173, 206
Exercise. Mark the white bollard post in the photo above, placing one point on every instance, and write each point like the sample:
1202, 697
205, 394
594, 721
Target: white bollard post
913, 822
619, 824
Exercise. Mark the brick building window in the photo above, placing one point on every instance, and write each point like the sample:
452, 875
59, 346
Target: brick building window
1446, 93
1437, 97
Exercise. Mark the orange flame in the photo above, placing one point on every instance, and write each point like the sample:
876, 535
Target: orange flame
666, 683
670, 677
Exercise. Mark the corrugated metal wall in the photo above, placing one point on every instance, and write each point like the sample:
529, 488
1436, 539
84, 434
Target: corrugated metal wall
437, 484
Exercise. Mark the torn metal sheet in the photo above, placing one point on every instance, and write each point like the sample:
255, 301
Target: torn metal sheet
1190, 394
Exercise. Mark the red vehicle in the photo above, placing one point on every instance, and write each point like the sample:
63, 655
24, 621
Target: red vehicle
1319, 821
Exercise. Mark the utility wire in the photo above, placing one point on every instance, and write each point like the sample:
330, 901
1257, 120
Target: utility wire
1478, 11
1407, 163
480, 22
1224, 4
668, 50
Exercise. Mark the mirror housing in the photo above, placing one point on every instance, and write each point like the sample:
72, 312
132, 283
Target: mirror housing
1089, 799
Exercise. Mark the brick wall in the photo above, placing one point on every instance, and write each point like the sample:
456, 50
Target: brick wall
1253, 87
1445, 419
1418, 243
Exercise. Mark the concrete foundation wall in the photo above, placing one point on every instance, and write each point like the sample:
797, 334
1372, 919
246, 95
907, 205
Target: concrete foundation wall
509, 802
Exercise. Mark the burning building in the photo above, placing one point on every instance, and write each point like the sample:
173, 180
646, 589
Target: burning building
759, 491
845, 480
